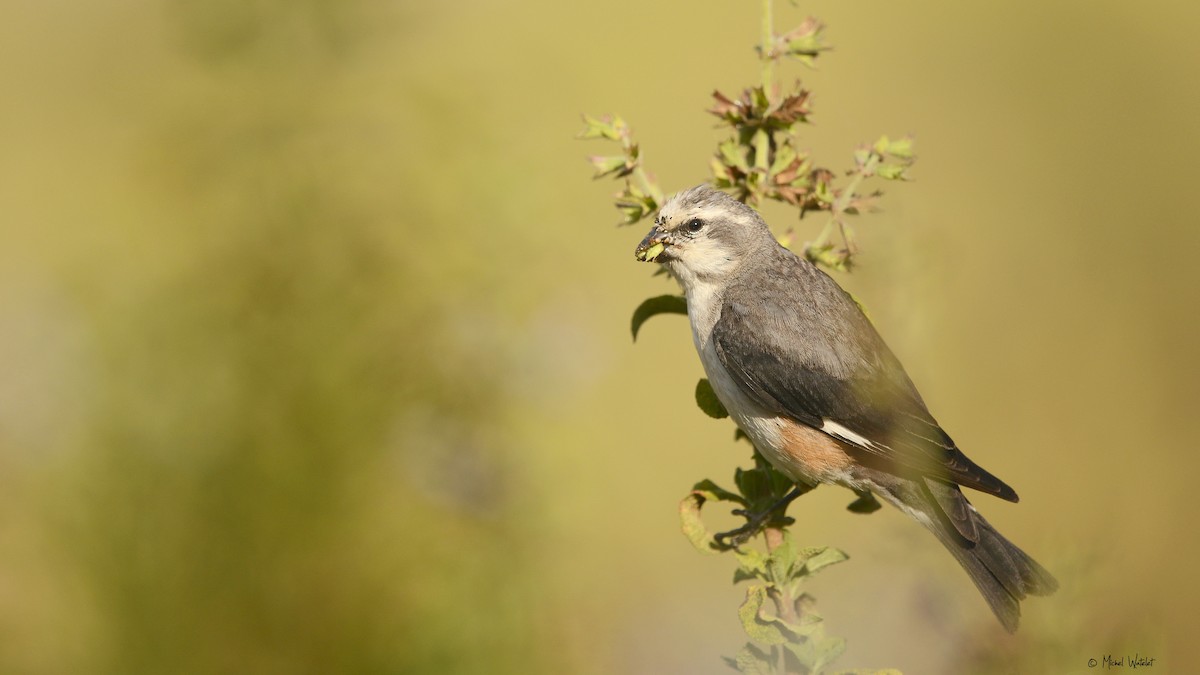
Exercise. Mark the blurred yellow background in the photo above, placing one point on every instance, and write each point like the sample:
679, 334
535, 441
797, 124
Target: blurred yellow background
314, 334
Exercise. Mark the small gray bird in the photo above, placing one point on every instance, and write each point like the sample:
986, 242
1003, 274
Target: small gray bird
805, 375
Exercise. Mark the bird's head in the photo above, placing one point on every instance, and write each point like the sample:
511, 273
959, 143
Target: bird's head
702, 234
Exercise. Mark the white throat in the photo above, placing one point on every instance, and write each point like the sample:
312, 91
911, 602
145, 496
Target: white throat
704, 293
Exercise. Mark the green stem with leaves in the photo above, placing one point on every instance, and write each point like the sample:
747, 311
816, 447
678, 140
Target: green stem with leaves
838, 209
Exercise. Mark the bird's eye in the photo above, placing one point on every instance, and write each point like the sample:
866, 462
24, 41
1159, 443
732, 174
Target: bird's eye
694, 225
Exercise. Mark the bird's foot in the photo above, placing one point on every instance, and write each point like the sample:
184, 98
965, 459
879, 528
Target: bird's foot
754, 524
757, 520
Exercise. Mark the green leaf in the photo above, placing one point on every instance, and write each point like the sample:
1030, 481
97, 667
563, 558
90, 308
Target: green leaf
752, 660
773, 629
824, 192
707, 399
881, 145
760, 628
605, 126
751, 563
785, 154
782, 561
901, 147
828, 651
760, 100
805, 42
722, 175
734, 154
740, 575
816, 653
717, 493
826, 557
752, 483
763, 485
631, 213
606, 165
663, 304
890, 171
811, 624
634, 205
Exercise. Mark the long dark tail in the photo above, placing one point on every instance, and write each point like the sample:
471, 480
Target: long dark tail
1003, 573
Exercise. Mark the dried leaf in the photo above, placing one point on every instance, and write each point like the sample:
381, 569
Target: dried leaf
724, 107
793, 108
689, 514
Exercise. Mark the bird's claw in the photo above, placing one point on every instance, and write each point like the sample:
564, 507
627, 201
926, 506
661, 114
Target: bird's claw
740, 535
757, 520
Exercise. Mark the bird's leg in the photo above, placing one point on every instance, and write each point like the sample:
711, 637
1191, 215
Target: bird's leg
756, 520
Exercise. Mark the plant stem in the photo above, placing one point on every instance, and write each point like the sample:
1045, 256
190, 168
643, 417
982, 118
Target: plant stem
648, 186
774, 537
839, 205
783, 595
768, 36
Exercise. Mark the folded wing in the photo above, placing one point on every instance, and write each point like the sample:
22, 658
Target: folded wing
818, 360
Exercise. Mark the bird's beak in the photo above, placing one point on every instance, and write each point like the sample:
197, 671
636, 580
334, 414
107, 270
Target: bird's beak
652, 247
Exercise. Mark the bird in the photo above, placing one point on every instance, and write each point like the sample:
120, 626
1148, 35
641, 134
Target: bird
807, 377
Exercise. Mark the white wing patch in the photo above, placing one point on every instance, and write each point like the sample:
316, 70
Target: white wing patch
834, 429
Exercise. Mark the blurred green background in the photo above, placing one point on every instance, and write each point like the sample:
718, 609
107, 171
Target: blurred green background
314, 351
